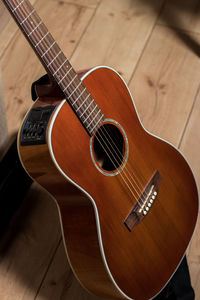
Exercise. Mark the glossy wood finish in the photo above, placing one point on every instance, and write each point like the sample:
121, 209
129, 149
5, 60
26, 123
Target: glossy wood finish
141, 261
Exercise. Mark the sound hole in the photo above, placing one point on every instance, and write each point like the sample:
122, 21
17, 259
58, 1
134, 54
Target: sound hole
109, 147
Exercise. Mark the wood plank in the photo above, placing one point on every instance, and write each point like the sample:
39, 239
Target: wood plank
165, 84
19, 55
116, 36
4, 16
190, 144
8, 28
87, 3
27, 248
183, 14
60, 282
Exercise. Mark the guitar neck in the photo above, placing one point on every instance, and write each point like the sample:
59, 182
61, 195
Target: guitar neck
55, 63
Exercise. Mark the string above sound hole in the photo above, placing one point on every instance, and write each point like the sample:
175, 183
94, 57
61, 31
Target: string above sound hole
109, 147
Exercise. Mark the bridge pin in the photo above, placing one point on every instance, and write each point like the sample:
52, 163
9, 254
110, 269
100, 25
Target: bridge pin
155, 193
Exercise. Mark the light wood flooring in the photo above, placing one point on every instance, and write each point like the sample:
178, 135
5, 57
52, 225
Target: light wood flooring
155, 46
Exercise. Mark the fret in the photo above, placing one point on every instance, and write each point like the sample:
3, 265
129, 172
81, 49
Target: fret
75, 89
35, 28
86, 108
49, 48
70, 83
60, 67
97, 122
65, 75
93, 118
17, 6
79, 96
27, 17
83, 102
54, 58
90, 114
41, 40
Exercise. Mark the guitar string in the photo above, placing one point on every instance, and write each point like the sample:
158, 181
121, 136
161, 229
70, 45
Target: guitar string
103, 133
111, 152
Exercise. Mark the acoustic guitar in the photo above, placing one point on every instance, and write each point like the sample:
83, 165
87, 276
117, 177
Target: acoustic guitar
127, 200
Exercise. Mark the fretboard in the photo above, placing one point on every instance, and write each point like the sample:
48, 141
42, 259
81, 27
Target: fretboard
56, 63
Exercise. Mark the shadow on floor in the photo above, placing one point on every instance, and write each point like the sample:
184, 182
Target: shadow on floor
174, 12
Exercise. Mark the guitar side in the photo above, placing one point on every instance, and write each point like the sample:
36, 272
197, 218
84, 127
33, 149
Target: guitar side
108, 259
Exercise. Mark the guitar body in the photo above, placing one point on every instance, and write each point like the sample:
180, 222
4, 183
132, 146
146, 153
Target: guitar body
112, 256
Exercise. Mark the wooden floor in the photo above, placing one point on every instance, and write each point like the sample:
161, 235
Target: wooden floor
155, 45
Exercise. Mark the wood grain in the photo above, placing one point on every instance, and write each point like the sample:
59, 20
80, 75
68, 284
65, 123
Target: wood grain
165, 84
124, 28
191, 138
4, 17
8, 27
87, 3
